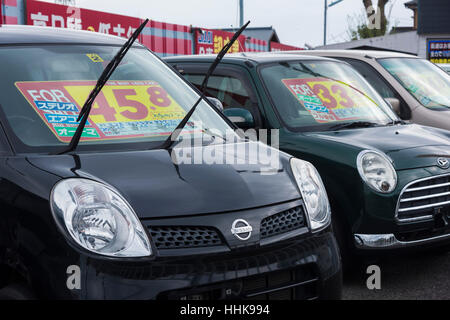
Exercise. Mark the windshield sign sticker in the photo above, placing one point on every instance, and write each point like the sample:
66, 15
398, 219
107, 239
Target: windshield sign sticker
123, 109
327, 100
94, 57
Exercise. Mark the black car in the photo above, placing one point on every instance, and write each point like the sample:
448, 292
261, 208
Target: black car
121, 217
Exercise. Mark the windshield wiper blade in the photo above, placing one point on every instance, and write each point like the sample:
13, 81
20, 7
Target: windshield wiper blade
106, 74
357, 124
176, 132
395, 122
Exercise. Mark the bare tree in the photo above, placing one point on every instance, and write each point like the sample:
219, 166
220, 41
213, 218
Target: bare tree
372, 22
380, 11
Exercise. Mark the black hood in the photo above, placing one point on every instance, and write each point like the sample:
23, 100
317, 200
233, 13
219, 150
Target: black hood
156, 187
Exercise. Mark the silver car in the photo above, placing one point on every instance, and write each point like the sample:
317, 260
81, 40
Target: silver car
444, 66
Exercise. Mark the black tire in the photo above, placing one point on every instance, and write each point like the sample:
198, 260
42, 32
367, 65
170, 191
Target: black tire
16, 292
350, 261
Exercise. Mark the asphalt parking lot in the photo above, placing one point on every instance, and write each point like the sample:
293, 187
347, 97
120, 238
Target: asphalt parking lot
414, 276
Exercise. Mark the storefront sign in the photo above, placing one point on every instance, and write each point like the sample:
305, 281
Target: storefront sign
439, 51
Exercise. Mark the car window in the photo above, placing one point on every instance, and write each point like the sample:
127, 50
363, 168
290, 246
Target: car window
231, 86
44, 88
429, 84
372, 77
379, 84
316, 95
228, 89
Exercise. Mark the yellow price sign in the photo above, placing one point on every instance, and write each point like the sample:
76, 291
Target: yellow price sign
123, 109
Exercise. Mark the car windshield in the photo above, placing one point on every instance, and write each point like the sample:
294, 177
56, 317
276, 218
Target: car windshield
323, 95
45, 86
429, 84
445, 67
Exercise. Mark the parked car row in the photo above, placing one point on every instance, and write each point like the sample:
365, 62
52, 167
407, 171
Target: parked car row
388, 180
116, 216
114, 202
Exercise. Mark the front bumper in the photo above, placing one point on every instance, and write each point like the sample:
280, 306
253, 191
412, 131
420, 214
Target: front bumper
300, 268
390, 241
416, 215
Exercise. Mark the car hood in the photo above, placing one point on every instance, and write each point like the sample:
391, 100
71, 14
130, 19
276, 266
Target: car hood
156, 187
409, 146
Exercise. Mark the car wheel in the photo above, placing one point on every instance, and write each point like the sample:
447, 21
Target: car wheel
350, 261
16, 292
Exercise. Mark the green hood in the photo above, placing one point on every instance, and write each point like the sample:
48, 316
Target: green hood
409, 146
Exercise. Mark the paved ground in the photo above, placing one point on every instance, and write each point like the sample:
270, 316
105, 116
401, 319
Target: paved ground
414, 276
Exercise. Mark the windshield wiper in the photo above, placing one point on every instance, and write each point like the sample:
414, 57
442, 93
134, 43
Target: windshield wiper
351, 125
176, 132
106, 74
395, 122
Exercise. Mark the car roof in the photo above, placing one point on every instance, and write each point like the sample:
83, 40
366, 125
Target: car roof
256, 57
15, 34
377, 54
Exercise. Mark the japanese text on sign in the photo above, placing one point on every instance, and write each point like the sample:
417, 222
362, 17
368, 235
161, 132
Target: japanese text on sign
328, 100
123, 109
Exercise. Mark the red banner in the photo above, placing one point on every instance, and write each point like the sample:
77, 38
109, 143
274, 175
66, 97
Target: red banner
60, 16
212, 41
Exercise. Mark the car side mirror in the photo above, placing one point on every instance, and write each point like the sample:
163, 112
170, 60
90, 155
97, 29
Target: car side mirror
394, 103
216, 102
240, 117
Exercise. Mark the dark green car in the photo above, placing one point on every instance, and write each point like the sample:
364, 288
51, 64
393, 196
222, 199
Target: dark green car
388, 181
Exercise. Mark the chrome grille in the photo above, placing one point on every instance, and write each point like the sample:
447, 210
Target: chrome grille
420, 199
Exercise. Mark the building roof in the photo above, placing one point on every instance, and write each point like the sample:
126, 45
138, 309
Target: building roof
267, 34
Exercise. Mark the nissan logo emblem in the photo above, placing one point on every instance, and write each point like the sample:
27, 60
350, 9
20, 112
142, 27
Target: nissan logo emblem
241, 229
443, 163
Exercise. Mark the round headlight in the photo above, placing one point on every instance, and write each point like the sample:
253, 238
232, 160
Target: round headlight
376, 170
313, 193
98, 219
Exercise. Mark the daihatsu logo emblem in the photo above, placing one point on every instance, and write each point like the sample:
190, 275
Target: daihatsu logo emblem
241, 229
443, 163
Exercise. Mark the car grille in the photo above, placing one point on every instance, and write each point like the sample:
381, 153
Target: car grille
282, 222
178, 237
298, 284
421, 199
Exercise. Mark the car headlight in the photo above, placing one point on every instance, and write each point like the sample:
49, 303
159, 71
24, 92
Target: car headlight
98, 219
313, 193
376, 170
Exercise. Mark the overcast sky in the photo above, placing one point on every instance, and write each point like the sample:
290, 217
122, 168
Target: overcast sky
296, 21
